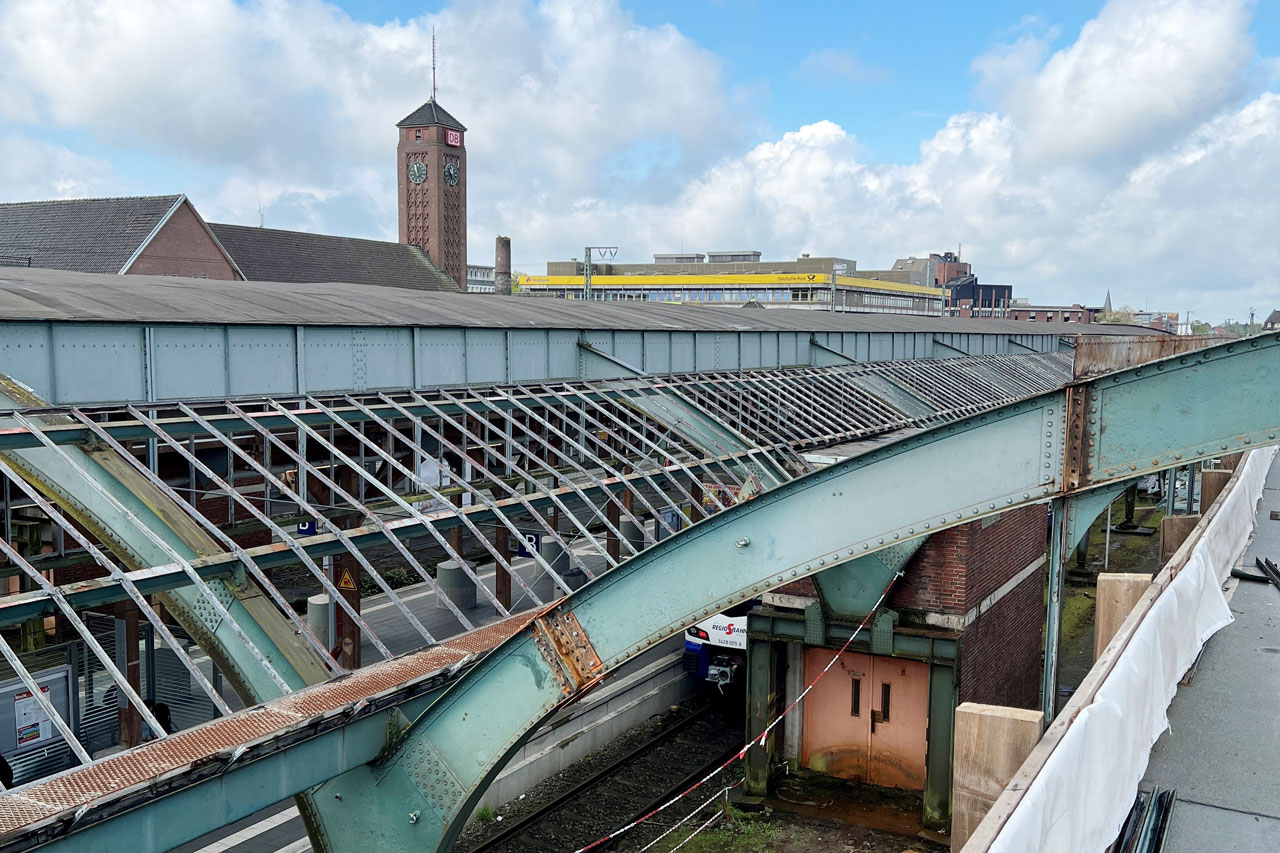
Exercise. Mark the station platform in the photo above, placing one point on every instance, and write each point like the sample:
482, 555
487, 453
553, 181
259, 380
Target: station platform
1221, 753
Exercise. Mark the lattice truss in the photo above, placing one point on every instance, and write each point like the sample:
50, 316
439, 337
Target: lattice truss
391, 484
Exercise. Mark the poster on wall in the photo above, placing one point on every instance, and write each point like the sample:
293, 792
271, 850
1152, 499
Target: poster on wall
33, 724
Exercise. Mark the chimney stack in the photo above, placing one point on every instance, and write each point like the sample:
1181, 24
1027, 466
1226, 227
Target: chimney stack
502, 267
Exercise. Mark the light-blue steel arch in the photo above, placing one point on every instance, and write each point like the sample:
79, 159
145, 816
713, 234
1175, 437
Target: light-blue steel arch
1167, 413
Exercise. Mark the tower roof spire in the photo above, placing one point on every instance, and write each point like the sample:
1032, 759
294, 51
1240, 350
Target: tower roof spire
433, 65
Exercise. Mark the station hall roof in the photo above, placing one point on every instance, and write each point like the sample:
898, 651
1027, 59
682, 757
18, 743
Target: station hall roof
38, 294
270, 254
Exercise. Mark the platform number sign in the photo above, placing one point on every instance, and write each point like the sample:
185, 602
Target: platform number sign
529, 543
453, 137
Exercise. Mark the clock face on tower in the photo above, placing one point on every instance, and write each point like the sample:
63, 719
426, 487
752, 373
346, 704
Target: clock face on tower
417, 171
451, 174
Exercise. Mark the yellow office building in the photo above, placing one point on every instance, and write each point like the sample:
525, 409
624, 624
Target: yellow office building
736, 279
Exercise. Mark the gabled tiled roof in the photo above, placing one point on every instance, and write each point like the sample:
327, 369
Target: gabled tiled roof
428, 114
83, 234
268, 254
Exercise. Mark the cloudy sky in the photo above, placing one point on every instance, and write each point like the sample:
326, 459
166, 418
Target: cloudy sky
1070, 147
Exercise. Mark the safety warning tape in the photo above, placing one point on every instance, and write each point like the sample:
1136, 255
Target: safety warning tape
756, 741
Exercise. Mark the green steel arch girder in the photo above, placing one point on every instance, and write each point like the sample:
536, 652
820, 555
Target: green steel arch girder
1076, 441
143, 527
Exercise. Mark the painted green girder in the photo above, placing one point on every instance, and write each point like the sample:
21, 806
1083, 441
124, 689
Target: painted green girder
418, 793
1168, 413
851, 590
229, 618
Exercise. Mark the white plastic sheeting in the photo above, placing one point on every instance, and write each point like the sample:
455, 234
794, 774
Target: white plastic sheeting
1081, 796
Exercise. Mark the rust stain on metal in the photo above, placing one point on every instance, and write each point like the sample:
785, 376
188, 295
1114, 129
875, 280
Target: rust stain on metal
546, 648
171, 755
1075, 463
567, 650
1099, 354
573, 645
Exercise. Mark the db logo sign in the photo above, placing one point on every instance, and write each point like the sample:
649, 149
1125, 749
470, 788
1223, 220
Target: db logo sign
453, 137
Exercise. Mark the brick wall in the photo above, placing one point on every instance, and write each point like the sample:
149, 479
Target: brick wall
1002, 549
1000, 653
183, 247
935, 577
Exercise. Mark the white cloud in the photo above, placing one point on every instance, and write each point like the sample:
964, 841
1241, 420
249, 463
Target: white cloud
296, 102
32, 169
1141, 70
1140, 158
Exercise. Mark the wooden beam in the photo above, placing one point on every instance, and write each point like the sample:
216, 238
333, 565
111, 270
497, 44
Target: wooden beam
1174, 530
1211, 485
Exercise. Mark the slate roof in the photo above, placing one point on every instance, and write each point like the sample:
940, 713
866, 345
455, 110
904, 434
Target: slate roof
83, 234
428, 114
269, 254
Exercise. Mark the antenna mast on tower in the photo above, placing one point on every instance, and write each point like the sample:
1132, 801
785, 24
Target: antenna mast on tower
433, 64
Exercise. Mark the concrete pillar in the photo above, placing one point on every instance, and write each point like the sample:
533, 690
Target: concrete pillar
453, 581
556, 557
632, 533
502, 267
991, 744
1174, 530
1211, 485
1118, 593
318, 617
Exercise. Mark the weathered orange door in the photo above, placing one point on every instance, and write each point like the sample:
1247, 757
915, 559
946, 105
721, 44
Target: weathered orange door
866, 719
837, 716
899, 723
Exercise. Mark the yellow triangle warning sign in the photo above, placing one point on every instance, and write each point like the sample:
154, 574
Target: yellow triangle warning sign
345, 582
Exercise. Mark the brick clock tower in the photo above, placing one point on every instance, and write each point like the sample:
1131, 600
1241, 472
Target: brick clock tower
431, 177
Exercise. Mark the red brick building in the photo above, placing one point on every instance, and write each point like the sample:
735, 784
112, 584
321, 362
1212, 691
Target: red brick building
166, 235
963, 624
140, 235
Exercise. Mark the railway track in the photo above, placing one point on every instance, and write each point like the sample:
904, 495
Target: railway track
647, 776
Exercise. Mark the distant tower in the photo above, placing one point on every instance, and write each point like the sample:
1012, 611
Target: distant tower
431, 168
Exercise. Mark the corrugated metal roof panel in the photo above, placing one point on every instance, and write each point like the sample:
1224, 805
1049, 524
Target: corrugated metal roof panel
40, 294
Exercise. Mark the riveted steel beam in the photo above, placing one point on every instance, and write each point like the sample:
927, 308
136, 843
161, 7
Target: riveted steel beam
827, 518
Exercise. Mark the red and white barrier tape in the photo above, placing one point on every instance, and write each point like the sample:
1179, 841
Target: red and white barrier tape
760, 740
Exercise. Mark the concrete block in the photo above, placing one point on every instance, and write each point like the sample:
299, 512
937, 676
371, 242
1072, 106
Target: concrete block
318, 617
455, 583
1117, 595
991, 744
